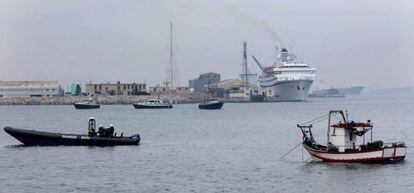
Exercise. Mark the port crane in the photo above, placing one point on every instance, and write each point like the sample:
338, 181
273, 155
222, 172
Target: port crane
258, 63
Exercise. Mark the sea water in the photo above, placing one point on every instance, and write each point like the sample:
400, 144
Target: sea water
184, 149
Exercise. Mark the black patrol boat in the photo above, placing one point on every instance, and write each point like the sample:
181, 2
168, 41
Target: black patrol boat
211, 104
104, 137
87, 104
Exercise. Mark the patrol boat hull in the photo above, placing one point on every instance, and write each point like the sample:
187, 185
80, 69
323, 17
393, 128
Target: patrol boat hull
211, 105
39, 138
87, 106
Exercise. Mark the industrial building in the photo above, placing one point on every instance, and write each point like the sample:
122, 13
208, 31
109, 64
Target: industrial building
167, 90
30, 89
235, 90
117, 88
201, 83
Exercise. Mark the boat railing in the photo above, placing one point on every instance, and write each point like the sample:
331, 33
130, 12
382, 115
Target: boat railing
376, 145
394, 144
308, 142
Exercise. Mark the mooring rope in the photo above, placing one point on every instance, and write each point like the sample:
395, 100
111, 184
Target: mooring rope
296, 146
311, 121
318, 119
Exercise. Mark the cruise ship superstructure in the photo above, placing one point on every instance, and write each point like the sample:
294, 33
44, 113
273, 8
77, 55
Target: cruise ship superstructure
287, 79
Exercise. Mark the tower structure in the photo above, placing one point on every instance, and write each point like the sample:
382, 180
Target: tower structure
172, 70
246, 74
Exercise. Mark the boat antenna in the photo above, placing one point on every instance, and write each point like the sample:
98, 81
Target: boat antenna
346, 113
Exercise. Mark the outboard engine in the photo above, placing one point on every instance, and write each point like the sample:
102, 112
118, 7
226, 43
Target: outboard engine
92, 123
91, 126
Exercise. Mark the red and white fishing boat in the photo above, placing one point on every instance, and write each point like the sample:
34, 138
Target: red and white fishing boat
342, 143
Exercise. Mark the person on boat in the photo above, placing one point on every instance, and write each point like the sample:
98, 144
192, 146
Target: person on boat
91, 127
101, 131
111, 130
92, 132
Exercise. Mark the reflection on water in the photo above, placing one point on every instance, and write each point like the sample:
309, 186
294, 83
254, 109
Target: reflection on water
184, 149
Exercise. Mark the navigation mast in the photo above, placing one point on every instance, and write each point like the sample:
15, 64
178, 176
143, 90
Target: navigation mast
171, 56
246, 80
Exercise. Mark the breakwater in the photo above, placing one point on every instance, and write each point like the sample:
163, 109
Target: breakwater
105, 100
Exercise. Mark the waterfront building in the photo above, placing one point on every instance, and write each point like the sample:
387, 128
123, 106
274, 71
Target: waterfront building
167, 90
30, 89
234, 84
235, 90
75, 89
182, 89
158, 89
201, 83
117, 88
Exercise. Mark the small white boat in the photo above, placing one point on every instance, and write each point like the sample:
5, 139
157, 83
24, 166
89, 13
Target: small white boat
342, 143
87, 104
153, 104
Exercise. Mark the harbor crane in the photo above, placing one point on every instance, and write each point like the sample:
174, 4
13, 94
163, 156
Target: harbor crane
258, 63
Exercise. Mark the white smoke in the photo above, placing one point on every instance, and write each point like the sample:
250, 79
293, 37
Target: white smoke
233, 12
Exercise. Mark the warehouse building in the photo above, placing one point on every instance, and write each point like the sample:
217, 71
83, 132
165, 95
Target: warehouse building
30, 89
167, 90
235, 90
117, 88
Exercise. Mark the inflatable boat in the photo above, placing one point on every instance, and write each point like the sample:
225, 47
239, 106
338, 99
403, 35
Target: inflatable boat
40, 138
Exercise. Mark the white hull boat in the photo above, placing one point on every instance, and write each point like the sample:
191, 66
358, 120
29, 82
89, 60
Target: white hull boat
342, 143
389, 153
287, 79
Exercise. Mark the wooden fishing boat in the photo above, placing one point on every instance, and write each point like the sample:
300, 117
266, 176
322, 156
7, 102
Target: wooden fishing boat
342, 143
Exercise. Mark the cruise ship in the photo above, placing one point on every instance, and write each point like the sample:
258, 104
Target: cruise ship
287, 79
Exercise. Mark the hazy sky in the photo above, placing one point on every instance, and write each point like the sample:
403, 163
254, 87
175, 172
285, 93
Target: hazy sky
350, 42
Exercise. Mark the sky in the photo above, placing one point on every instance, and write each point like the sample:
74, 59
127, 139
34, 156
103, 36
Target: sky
349, 42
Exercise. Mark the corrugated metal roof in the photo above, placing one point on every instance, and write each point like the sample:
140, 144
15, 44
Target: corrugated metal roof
29, 84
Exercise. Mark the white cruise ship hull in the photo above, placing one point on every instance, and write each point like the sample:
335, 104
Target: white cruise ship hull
292, 90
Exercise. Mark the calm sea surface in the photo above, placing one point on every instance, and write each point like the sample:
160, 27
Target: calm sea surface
236, 149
